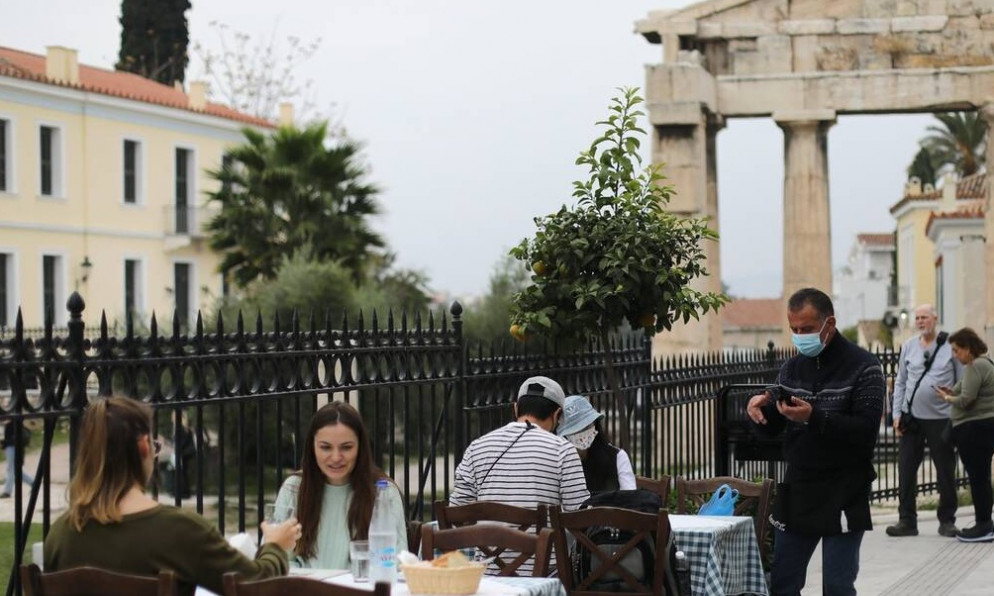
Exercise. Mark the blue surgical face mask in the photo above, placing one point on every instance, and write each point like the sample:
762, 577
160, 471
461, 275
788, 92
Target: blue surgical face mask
809, 344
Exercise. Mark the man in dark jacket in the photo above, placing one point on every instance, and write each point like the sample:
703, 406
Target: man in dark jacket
829, 400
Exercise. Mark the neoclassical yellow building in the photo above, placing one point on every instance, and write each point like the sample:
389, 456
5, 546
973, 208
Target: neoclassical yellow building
102, 190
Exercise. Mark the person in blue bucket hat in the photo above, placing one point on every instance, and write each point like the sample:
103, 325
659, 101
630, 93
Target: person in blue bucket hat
605, 466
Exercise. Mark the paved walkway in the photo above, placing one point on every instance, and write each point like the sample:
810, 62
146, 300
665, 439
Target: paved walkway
923, 565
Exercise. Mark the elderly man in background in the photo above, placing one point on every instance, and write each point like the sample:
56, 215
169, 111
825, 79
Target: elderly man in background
920, 415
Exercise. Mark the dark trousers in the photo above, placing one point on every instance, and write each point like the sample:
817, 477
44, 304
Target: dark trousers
912, 452
839, 557
975, 441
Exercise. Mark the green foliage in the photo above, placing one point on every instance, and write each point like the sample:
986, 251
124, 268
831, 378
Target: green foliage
851, 333
618, 255
323, 288
154, 39
289, 190
487, 321
922, 168
959, 145
7, 548
391, 288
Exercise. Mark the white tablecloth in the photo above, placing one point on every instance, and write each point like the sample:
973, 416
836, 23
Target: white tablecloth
489, 586
723, 554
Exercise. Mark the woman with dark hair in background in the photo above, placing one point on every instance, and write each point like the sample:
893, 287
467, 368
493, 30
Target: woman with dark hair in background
113, 524
335, 489
605, 466
972, 416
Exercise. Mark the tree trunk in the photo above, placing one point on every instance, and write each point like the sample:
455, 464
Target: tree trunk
624, 438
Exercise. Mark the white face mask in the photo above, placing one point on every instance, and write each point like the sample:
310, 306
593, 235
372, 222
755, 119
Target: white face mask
583, 439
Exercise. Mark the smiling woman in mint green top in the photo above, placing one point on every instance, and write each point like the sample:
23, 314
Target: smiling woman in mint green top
335, 489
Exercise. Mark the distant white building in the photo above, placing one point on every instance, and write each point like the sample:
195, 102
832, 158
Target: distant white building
860, 287
956, 231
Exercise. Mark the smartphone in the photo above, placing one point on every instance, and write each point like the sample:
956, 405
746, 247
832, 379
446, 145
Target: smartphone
777, 393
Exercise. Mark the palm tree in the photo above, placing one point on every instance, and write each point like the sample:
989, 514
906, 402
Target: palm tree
290, 191
959, 145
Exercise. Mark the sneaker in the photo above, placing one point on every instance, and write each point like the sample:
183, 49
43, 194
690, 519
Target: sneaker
948, 529
902, 528
981, 532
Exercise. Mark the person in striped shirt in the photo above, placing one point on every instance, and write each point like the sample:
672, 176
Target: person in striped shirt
524, 463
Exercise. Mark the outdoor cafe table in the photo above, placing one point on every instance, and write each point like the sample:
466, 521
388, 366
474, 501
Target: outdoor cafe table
489, 586
723, 554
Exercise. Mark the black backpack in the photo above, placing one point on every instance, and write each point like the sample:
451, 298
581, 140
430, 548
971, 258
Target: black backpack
640, 562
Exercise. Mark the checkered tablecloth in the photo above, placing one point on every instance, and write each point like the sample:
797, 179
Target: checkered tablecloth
723, 554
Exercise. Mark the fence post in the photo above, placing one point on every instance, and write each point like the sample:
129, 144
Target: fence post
646, 411
459, 396
76, 373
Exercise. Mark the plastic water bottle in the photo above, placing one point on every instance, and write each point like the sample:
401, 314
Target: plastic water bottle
382, 538
683, 573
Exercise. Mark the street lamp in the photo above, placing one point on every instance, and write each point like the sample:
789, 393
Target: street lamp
85, 267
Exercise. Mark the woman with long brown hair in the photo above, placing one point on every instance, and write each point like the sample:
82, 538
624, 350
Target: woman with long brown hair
335, 489
113, 524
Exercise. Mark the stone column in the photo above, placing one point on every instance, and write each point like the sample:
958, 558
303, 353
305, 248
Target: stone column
807, 247
688, 152
987, 113
681, 99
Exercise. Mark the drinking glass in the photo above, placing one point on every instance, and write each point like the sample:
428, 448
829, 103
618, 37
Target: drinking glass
359, 560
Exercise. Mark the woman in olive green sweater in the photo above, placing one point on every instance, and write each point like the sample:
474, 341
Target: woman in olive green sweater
972, 416
112, 524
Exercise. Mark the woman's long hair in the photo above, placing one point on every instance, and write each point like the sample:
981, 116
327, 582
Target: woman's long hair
109, 463
363, 479
600, 456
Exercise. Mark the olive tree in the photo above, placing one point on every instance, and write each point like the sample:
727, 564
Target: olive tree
617, 256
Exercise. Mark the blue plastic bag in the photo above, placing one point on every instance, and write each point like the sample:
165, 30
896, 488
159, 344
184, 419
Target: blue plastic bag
722, 502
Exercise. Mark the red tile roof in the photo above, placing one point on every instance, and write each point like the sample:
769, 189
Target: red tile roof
969, 209
971, 187
126, 85
881, 239
754, 312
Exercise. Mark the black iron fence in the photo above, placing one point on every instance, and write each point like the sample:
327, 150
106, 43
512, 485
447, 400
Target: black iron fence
232, 402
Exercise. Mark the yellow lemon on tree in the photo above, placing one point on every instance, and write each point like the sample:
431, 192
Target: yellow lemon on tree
647, 320
539, 268
517, 332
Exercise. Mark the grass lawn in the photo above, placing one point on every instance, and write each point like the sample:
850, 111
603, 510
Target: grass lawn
7, 550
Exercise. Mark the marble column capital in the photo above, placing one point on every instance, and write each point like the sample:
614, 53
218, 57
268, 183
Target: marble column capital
802, 118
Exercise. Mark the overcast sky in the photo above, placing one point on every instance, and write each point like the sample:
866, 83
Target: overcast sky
472, 113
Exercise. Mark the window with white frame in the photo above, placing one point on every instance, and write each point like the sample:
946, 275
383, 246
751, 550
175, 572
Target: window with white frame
6, 156
182, 285
50, 160
53, 287
133, 171
7, 297
184, 189
133, 298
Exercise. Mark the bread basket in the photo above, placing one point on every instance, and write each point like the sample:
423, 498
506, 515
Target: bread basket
451, 581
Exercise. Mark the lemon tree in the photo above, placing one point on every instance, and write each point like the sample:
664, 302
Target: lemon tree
617, 255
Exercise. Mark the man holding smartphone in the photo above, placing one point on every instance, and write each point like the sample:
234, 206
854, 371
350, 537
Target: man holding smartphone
920, 415
828, 401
